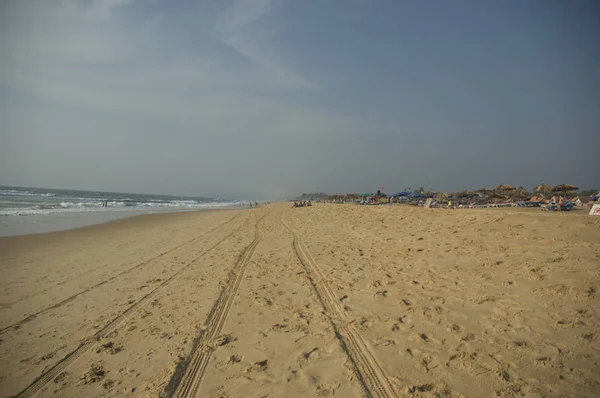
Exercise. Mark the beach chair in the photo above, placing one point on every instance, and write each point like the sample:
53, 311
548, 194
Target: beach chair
566, 206
563, 207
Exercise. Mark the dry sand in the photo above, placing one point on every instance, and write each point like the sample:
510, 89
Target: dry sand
330, 300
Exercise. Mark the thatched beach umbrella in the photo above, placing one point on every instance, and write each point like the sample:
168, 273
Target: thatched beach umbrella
564, 188
522, 193
484, 192
504, 187
543, 188
441, 196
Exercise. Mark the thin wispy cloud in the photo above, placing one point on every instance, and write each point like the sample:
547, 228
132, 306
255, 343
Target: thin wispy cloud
232, 29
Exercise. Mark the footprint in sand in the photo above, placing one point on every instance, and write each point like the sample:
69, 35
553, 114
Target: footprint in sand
258, 366
520, 343
364, 324
424, 337
96, 374
110, 348
455, 328
224, 340
234, 359
544, 362
50, 355
420, 388
384, 342
61, 377
589, 337
469, 337
325, 390
281, 327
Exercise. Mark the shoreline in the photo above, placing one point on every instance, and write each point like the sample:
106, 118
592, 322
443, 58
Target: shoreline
48, 223
131, 224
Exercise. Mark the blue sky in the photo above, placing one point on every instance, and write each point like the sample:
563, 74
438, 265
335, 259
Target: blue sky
282, 96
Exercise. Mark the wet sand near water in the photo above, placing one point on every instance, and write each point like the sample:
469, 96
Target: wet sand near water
330, 300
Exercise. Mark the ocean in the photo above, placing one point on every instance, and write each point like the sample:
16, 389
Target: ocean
35, 210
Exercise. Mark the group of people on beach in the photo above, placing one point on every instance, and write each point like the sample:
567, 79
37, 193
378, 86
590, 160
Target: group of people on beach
304, 203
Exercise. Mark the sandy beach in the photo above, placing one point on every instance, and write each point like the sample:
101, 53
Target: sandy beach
329, 300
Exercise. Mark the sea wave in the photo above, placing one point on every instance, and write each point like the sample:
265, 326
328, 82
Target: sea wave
97, 206
15, 192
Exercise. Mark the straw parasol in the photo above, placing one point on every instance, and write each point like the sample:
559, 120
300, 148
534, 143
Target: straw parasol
543, 188
441, 196
504, 187
564, 188
521, 192
484, 191
496, 195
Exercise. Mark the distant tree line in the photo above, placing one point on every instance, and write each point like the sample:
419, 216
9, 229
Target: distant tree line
588, 192
312, 196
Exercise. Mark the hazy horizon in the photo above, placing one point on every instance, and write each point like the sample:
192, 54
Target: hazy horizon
281, 97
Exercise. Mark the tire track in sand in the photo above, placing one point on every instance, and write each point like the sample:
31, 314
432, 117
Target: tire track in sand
186, 380
373, 379
88, 343
31, 317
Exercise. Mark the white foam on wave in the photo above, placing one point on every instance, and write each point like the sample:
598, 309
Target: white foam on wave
14, 192
190, 204
96, 206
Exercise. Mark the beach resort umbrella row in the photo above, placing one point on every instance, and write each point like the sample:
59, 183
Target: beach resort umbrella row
502, 191
543, 188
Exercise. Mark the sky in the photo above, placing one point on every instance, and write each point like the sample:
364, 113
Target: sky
281, 97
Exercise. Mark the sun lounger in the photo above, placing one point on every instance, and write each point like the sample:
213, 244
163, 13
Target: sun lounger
505, 205
528, 204
563, 207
